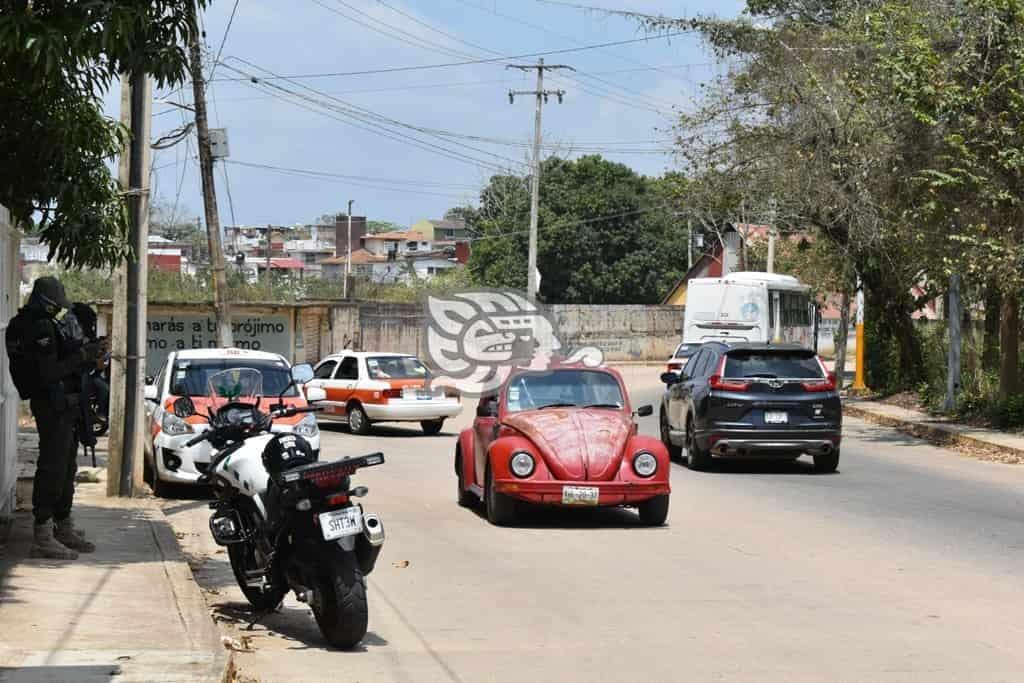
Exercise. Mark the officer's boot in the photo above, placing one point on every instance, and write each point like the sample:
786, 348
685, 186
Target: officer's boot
66, 533
46, 546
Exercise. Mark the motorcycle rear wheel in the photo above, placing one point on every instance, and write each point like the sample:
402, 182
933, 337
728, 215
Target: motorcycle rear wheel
340, 607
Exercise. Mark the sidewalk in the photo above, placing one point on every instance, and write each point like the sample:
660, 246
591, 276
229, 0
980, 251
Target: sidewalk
131, 611
979, 442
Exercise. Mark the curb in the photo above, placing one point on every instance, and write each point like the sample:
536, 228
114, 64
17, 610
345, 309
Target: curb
202, 631
940, 435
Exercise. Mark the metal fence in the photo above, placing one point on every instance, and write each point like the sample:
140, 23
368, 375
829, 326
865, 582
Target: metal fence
9, 300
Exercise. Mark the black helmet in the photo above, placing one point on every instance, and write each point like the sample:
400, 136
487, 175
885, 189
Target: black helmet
286, 451
49, 291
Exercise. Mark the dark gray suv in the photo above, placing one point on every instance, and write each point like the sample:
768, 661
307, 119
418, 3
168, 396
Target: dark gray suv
752, 401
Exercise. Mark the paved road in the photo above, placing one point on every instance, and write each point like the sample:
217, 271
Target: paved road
905, 566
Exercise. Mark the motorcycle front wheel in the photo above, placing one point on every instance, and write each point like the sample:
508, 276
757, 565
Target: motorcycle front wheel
340, 607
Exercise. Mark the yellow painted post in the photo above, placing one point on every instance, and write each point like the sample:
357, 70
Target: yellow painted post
858, 381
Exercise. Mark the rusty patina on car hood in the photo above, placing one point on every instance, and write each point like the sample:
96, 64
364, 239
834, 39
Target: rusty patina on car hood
583, 444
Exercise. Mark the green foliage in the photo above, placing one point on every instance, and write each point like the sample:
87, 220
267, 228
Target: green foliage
55, 59
605, 235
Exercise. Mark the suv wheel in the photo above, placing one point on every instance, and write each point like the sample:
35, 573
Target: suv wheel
674, 452
824, 464
697, 459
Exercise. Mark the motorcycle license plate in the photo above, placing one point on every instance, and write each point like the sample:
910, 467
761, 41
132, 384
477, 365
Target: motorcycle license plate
580, 495
340, 523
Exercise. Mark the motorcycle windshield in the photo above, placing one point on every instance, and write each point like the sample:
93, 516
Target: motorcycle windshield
238, 385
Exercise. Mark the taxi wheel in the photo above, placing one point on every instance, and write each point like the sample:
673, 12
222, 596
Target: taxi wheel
432, 427
501, 510
358, 422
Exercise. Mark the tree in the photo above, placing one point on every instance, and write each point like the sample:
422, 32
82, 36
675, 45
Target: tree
55, 59
605, 234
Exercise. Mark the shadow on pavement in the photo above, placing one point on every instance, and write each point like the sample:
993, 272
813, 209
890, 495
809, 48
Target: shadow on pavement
295, 625
92, 673
553, 517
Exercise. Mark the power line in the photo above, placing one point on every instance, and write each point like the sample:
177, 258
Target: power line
332, 177
223, 40
569, 224
597, 91
344, 176
314, 106
377, 121
423, 67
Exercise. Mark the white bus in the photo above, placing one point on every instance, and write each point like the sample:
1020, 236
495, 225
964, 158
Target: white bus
751, 307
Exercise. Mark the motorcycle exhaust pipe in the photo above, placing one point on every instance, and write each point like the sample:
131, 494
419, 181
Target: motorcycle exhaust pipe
373, 529
369, 543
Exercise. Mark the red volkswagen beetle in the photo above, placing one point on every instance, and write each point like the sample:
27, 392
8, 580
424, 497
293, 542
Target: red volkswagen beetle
563, 436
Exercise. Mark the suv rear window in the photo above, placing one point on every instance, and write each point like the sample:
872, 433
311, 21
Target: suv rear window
773, 365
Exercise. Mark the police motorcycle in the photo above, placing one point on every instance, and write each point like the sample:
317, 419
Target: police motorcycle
288, 521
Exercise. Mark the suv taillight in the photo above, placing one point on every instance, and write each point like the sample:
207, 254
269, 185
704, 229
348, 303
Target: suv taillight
674, 367
719, 383
822, 385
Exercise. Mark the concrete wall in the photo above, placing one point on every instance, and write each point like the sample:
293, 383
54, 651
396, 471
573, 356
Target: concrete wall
309, 331
624, 333
9, 400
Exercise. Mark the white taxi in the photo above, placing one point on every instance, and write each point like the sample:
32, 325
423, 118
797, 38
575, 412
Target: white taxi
185, 373
364, 387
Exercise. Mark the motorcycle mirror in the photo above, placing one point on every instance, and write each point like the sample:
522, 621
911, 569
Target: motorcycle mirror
302, 373
183, 407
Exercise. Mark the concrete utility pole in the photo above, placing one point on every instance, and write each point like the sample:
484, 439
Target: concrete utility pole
118, 334
772, 234
220, 284
348, 256
532, 274
953, 320
689, 244
266, 277
128, 373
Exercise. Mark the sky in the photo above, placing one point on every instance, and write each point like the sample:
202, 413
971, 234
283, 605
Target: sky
385, 139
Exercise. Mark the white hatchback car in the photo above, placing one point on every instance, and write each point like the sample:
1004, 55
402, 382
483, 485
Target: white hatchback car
364, 387
185, 373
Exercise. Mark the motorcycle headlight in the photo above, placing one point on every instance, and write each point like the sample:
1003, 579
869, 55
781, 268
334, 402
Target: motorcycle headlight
174, 425
645, 464
307, 427
522, 464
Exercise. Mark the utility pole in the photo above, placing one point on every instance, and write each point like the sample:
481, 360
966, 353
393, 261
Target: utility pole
532, 274
128, 373
689, 244
859, 383
270, 247
348, 256
771, 235
118, 334
953, 320
220, 285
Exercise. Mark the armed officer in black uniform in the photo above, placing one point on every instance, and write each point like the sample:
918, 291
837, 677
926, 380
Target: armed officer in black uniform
47, 368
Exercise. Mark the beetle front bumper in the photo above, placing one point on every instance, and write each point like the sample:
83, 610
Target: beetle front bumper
610, 493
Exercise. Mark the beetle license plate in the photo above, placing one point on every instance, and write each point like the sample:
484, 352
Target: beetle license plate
776, 417
340, 523
580, 495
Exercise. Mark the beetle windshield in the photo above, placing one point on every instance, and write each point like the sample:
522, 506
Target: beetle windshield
570, 388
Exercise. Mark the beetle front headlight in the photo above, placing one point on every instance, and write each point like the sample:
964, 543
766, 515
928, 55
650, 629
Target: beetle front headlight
522, 464
307, 427
645, 464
